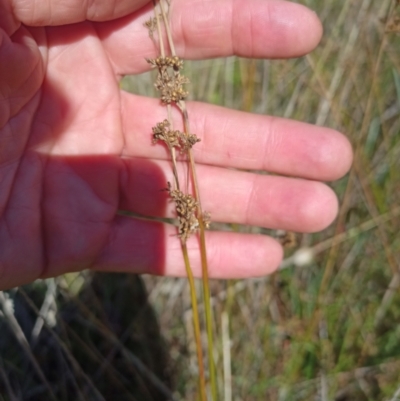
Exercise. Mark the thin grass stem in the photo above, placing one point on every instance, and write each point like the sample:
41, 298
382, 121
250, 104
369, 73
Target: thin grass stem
196, 322
162, 52
168, 30
204, 262
203, 252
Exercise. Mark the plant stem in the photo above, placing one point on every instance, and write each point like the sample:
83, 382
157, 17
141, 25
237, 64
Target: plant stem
203, 252
168, 30
204, 262
162, 52
196, 322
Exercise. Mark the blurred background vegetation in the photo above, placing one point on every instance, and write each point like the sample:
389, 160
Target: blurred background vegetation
324, 327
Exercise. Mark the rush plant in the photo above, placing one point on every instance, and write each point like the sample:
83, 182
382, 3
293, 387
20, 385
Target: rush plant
192, 220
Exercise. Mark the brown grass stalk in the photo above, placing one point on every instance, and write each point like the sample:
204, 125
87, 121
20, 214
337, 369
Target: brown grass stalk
190, 215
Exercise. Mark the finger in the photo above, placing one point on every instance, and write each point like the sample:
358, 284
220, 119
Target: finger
149, 247
242, 140
217, 28
233, 196
59, 12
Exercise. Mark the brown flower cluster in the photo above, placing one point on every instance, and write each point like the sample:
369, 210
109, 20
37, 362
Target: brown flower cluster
162, 62
162, 132
170, 83
169, 80
151, 25
186, 207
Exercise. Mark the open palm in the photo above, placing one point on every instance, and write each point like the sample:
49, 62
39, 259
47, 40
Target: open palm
75, 149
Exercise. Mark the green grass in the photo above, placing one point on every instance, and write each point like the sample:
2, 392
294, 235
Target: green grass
325, 331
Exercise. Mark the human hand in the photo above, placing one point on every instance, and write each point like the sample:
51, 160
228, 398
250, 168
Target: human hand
75, 149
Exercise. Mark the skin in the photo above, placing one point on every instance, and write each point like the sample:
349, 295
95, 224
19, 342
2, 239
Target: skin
75, 149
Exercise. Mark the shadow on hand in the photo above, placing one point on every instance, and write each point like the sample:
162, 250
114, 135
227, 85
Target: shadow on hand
107, 342
83, 224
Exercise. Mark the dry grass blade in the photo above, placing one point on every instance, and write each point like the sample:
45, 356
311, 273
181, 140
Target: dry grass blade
118, 343
226, 354
396, 395
7, 384
67, 352
20, 336
48, 308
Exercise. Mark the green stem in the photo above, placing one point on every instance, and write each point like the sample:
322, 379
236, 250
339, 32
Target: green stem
196, 323
203, 252
206, 292
204, 263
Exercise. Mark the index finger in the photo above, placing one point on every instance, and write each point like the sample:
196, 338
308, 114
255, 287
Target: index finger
60, 12
215, 28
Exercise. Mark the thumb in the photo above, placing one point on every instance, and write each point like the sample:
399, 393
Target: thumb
61, 12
